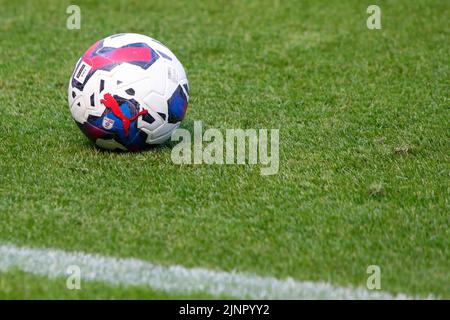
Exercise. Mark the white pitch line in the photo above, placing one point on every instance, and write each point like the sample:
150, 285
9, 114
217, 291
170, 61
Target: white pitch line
174, 279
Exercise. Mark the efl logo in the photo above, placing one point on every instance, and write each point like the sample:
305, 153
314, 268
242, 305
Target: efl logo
107, 123
249, 146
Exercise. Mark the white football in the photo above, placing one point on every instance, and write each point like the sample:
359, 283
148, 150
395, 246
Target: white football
128, 92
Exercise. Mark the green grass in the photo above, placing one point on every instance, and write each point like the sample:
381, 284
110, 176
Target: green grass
364, 144
19, 285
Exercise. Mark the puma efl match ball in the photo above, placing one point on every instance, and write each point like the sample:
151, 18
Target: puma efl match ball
128, 92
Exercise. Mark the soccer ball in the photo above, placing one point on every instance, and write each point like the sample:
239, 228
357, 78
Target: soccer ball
128, 92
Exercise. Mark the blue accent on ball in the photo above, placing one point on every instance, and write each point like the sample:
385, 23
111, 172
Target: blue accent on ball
177, 105
136, 139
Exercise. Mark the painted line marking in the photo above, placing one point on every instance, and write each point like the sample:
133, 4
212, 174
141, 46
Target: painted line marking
53, 263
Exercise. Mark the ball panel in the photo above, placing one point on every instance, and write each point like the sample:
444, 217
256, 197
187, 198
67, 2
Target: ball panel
177, 105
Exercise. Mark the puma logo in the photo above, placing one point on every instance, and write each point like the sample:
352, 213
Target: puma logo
111, 103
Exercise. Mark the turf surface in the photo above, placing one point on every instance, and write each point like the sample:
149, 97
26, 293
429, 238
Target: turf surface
364, 143
19, 285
